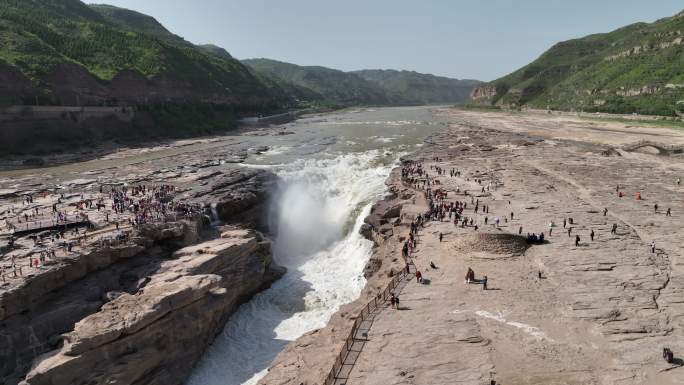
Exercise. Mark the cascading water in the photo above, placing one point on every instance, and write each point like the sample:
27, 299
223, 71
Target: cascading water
321, 205
215, 220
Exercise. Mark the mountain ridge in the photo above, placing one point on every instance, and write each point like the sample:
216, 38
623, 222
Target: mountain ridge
320, 84
74, 54
638, 68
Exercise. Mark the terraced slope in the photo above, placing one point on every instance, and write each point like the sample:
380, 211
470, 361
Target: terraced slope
638, 68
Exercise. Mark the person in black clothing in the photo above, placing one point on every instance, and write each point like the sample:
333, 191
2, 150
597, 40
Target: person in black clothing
591, 234
484, 283
577, 240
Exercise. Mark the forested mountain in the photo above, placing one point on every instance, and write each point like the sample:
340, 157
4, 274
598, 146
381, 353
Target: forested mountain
370, 87
64, 52
638, 68
409, 87
314, 83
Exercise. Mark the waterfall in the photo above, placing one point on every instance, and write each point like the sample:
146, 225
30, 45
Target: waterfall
321, 204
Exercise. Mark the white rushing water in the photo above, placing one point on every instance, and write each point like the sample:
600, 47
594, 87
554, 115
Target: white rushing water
321, 205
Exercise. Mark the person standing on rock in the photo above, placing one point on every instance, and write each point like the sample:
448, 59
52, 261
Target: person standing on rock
605, 211
470, 276
565, 222
577, 240
653, 247
484, 283
440, 237
668, 213
655, 208
419, 276
591, 235
392, 300
520, 231
569, 231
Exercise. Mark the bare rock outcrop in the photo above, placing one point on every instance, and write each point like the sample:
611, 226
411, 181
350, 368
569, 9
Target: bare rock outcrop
105, 274
483, 93
155, 335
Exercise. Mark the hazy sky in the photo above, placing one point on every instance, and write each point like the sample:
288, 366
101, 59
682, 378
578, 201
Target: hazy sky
478, 39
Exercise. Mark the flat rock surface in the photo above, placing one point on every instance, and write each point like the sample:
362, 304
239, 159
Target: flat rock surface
601, 311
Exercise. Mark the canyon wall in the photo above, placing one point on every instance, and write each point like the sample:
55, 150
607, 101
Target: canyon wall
144, 307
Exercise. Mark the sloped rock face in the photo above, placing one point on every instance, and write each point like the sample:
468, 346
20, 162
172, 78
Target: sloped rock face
14, 86
159, 297
155, 335
483, 94
242, 196
35, 313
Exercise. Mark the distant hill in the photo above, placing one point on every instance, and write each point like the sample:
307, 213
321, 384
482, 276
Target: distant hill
409, 87
314, 83
638, 68
63, 52
369, 87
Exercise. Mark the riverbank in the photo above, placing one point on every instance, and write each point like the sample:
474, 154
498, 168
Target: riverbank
309, 359
163, 252
63, 140
596, 312
324, 175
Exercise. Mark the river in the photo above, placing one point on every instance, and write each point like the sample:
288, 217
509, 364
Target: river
333, 168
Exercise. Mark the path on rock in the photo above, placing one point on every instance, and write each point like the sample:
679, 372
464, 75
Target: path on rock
599, 312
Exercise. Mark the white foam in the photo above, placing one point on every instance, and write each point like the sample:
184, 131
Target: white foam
322, 204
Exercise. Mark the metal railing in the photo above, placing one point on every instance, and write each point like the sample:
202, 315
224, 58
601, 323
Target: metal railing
371, 306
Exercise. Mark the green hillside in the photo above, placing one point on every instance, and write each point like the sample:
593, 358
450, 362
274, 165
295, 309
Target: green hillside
216, 50
409, 87
50, 41
314, 83
137, 22
638, 68
370, 87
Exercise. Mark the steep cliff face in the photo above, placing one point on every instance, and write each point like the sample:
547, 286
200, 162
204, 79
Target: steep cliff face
483, 94
48, 303
14, 86
142, 309
155, 335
